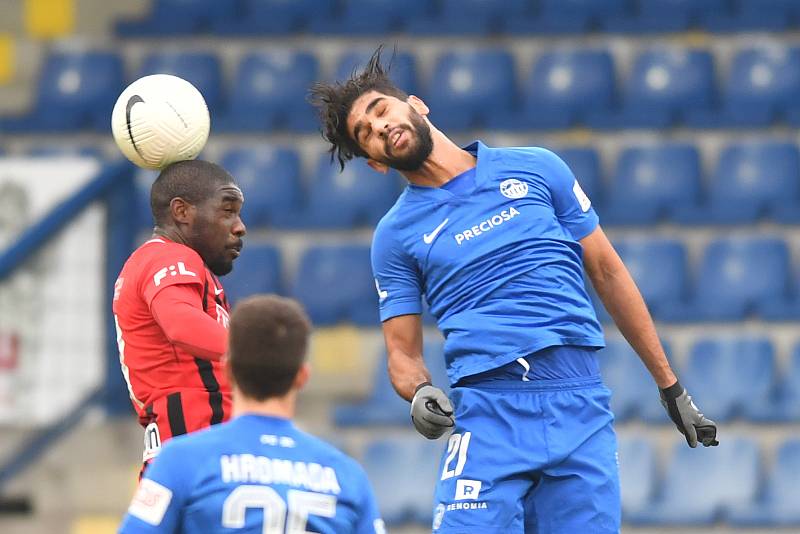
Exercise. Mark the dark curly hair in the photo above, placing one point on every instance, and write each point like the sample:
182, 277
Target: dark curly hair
334, 101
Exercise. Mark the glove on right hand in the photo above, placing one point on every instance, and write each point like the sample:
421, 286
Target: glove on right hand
431, 411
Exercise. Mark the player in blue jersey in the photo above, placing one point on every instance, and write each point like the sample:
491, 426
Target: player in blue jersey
497, 241
258, 472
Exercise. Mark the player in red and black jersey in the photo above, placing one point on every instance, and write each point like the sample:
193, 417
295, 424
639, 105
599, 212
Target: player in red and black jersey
169, 306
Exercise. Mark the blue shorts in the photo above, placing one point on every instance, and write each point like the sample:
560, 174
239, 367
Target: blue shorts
530, 455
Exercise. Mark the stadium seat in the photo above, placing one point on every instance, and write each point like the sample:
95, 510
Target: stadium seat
276, 17
738, 277
462, 17
633, 392
357, 196
584, 162
666, 16
393, 409
652, 182
402, 492
660, 269
176, 17
637, 473
788, 397
666, 85
271, 183
700, 484
568, 16
143, 180
733, 377
202, 69
562, 87
40, 151
744, 15
75, 91
257, 270
372, 17
269, 93
753, 180
335, 284
469, 86
778, 505
761, 86
403, 70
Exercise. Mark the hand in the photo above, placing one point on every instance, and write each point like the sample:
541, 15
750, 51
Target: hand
689, 420
431, 411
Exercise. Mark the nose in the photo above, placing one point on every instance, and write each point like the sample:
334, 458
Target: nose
382, 127
239, 229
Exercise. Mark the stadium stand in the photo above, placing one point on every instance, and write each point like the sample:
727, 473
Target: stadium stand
202, 69
258, 270
637, 473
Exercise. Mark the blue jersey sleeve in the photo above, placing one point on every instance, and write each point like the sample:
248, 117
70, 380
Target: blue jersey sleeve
156, 506
369, 521
397, 278
573, 208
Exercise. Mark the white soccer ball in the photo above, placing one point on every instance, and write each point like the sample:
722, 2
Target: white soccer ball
160, 119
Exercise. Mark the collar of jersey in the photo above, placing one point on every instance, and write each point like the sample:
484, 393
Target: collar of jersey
476, 148
272, 419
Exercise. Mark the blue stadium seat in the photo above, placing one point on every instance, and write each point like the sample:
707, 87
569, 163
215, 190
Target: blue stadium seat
403, 70
562, 87
356, 196
753, 180
660, 269
568, 16
276, 17
335, 284
778, 505
632, 387
666, 85
469, 86
788, 397
65, 151
738, 276
744, 15
700, 485
584, 162
372, 17
176, 17
271, 183
393, 410
143, 180
202, 69
637, 473
75, 91
269, 93
733, 377
667, 16
460, 17
402, 492
651, 183
762, 84
257, 270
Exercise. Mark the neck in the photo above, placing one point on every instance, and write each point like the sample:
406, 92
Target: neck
446, 161
283, 407
171, 233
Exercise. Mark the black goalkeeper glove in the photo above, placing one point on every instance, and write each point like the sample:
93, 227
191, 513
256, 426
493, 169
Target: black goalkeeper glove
690, 421
431, 411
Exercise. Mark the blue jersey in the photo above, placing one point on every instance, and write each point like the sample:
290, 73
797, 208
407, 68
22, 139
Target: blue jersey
254, 474
496, 257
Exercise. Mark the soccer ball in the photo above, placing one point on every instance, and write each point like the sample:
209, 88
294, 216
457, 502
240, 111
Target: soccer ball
160, 119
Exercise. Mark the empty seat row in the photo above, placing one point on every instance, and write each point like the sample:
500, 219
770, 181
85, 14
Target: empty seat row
468, 89
732, 483
730, 377
454, 17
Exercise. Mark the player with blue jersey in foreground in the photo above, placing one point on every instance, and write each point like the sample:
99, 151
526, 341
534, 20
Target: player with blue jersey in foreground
497, 241
258, 472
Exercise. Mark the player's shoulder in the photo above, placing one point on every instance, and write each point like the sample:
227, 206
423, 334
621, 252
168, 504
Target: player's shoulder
326, 452
394, 218
166, 252
527, 155
197, 442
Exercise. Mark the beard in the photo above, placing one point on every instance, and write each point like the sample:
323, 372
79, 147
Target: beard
419, 147
215, 257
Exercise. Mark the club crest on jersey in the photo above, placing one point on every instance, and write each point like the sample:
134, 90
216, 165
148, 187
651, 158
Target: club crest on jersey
513, 188
172, 271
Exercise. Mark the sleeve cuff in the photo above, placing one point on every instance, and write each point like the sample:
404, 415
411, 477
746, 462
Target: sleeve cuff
400, 308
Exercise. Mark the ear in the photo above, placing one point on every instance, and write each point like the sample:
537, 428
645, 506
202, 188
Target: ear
378, 166
302, 377
182, 211
418, 105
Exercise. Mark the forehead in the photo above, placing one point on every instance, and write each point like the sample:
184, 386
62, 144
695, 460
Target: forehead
226, 192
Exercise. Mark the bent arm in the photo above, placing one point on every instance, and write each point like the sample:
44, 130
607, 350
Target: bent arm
403, 337
178, 311
625, 304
